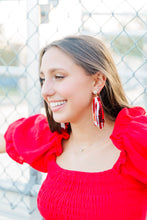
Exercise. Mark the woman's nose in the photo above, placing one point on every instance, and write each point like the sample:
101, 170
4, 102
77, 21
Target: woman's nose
47, 89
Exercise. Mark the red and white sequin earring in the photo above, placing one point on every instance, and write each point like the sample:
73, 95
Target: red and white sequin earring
65, 126
97, 110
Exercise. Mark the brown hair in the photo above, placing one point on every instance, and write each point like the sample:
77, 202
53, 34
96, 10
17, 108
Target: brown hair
93, 56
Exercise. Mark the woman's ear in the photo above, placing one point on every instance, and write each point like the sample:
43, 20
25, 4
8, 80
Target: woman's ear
99, 81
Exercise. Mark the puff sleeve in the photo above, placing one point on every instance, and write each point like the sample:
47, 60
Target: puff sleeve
130, 135
30, 140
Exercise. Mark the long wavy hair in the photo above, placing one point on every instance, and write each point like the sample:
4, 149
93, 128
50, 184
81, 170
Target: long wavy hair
92, 55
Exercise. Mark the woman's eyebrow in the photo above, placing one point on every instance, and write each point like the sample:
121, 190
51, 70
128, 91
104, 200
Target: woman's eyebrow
52, 70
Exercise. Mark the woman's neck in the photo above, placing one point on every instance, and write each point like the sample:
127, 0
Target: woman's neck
88, 134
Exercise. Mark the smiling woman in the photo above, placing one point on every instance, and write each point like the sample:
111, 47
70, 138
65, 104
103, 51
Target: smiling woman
97, 163
59, 87
91, 56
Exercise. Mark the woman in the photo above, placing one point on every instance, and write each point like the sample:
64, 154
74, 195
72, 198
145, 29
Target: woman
94, 149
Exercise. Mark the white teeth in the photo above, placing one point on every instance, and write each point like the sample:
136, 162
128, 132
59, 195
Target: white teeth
54, 104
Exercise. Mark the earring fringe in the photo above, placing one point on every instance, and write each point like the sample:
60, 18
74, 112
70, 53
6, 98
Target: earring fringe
98, 112
65, 126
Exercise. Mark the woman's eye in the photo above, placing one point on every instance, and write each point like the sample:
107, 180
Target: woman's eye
59, 76
42, 79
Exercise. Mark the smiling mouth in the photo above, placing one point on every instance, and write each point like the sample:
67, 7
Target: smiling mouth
56, 104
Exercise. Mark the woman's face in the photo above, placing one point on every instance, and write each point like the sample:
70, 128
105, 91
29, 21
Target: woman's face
67, 88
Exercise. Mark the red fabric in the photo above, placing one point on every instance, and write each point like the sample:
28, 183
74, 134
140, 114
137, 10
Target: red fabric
119, 193
30, 140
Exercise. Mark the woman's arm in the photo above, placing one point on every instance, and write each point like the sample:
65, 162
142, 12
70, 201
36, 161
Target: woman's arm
2, 144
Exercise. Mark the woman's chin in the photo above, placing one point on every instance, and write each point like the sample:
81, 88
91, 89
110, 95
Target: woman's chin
61, 121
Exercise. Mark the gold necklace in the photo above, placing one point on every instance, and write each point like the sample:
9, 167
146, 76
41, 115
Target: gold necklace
94, 145
84, 148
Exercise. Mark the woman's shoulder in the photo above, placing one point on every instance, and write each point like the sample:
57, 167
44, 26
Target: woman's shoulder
130, 123
130, 135
30, 140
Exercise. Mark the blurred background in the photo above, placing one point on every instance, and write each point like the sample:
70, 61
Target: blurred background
28, 25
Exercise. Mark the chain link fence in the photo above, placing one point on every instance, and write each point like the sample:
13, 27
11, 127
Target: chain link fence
28, 25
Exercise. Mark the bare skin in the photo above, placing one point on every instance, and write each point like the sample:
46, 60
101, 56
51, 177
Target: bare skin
99, 154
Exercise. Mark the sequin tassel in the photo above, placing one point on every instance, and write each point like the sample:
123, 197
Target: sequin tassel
65, 126
98, 113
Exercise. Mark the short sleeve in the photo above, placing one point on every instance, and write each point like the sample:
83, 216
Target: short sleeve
30, 140
130, 135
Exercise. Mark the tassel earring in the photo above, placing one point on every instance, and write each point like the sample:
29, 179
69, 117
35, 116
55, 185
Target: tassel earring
98, 112
65, 126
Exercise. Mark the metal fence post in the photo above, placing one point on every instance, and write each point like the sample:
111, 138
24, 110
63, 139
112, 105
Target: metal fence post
32, 70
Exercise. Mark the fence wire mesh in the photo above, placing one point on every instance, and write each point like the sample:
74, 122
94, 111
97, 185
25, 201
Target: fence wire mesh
28, 25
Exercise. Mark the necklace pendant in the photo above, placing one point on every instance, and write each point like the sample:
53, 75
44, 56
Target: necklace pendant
82, 149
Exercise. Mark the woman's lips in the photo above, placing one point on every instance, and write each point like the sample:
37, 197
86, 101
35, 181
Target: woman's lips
56, 105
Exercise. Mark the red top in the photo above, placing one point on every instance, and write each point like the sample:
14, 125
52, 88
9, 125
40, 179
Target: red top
119, 193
